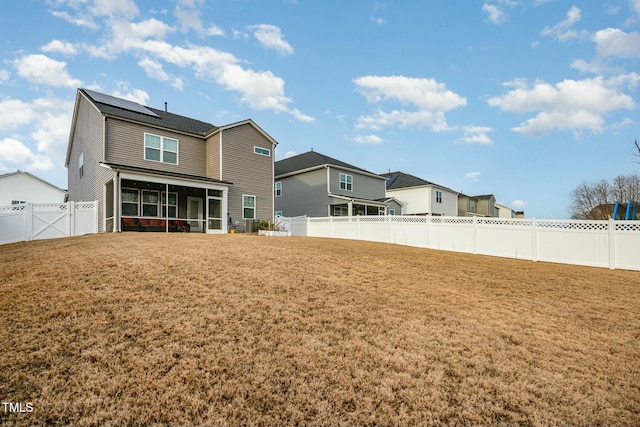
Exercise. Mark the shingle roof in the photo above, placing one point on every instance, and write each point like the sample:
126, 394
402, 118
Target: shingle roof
113, 106
311, 159
397, 180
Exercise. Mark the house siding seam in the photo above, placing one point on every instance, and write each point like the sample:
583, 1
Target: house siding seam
249, 173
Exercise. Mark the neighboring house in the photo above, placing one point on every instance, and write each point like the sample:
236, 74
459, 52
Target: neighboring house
154, 170
477, 205
316, 185
505, 211
20, 187
421, 197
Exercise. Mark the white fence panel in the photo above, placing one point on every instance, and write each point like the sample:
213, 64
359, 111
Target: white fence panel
451, 234
510, 238
35, 221
613, 244
13, 223
626, 247
573, 242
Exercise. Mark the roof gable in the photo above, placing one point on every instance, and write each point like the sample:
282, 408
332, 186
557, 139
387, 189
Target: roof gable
312, 160
399, 180
34, 178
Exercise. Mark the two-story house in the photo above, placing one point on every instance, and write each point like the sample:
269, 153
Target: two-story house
484, 205
153, 170
316, 185
421, 197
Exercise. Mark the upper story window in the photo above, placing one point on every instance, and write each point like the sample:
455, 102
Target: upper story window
160, 149
438, 196
278, 188
346, 182
262, 151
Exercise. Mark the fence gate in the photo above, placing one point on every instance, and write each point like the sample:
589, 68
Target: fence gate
35, 221
50, 221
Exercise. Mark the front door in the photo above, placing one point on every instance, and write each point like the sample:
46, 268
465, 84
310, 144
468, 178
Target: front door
194, 214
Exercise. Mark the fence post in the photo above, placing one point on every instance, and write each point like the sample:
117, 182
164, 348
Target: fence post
71, 211
612, 244
28, 221
534, 240
474, 235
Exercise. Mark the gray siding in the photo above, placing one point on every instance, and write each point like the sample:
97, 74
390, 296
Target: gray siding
125, 146
250, 173
88, 140
364, 187
304, 194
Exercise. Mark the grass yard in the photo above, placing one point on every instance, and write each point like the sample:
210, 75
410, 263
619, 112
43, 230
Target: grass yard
179, 329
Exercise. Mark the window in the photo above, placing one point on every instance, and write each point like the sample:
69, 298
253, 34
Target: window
262, 151
381, 211
278, 188
346, 182
392, 211
81, 165
248, 207
472, 205
278, 213
170, 205
160, 149
438, 196
340, 211
130, 198
149, 203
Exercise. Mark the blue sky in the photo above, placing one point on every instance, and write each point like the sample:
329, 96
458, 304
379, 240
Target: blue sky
524, 99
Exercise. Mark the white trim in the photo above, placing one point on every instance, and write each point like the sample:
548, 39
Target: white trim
275, 190
346, 183
221, 155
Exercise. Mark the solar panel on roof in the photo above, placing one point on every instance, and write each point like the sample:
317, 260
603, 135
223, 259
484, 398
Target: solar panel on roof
120, 103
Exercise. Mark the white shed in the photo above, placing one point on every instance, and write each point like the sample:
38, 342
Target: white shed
19, 186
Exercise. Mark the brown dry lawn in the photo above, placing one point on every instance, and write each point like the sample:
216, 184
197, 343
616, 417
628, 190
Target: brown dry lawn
157, 329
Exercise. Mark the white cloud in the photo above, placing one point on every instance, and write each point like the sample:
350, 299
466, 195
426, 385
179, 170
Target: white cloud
471, 176
44, 70
379, 21
494, 13
615, 42
562, 31
289, 153
568, 105
4, 75
15, 113
59, 46
367, 139
81, 21
519, 204
430, 99
214, 30
15, 155
154, 70
146, 39
270, 37
476, 135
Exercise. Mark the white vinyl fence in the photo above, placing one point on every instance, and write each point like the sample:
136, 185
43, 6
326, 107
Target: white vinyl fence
610, 244
34, 221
